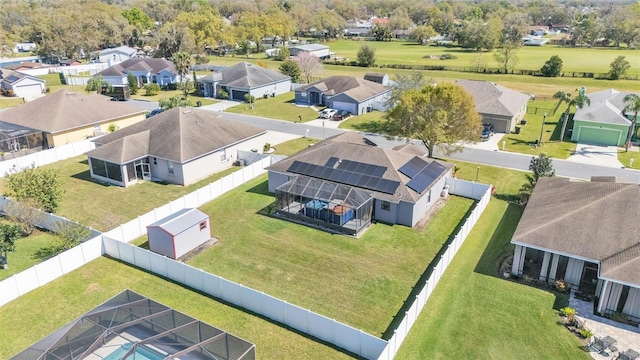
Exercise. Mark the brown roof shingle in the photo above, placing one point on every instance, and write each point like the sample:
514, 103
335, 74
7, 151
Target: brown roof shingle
491, 98
355, 88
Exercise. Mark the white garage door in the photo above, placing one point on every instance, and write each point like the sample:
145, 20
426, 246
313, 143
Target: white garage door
341, 105
26, 90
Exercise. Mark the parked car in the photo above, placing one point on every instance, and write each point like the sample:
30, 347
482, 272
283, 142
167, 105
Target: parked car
487, 131
341, 115
327, 113
154, 112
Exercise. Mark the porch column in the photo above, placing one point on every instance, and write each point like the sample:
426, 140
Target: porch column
554, 266
545, 266
604, 297
518, 260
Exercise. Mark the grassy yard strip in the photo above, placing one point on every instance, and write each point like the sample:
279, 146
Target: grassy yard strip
280, 107
330, 274
368, 122
23, 257
9, 102
105, 206
473, 313
294, 146
44, 310
625, 157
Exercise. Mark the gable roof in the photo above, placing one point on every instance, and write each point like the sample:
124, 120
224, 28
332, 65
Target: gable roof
354, 147
491, 98
247, 76
62, 111
606, 106
355, 88
179, 134
180, 220
11, 77
592, 220
309, 47
152, 65
120, 49
26, 65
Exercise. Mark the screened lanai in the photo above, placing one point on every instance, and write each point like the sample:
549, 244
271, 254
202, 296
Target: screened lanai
323, 203
132, 327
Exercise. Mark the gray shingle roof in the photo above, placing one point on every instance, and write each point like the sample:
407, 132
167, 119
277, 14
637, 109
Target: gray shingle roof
491, 98
352, 146
180, 221
153, 65
179, 134
355, 88
63, 110
606, 106
123, 49
10, 76
309, 47
248, 76
593, 220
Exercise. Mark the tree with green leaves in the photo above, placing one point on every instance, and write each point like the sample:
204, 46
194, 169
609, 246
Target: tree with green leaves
632, 102
552, 67
421, 34
478, 34
291, 69
618, 68
405, 81
9, 234
579, 101
382, 33
174, 101
186, 86
443, 116
39, 186
510, 42
133, 83
541, 166
366, 56
138, 18
96, 83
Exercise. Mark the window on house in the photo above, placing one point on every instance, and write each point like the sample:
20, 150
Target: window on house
385, 205
203, 225
170, 167
222, 157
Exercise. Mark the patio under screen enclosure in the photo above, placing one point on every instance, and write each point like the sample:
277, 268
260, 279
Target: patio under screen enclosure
132, 327
326, 204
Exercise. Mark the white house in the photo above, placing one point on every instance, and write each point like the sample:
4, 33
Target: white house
320, 51
13, 83
245, 78
117, 55
147, 71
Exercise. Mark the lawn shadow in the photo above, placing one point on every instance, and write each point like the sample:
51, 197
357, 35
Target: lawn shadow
246, 311
422, 280
499, 245
377, 127
261, 189
516, 141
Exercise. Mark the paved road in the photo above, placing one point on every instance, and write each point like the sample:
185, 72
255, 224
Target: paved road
487, 157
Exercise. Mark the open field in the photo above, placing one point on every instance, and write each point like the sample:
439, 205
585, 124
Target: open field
44, 310
475, 314
26, 247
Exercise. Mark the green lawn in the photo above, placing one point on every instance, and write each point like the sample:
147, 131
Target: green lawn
475, 314
294, 146
280, 107
328, 274
8, 102
46, 309
625, 158
117, 205
23, 257
170, 93
368, 122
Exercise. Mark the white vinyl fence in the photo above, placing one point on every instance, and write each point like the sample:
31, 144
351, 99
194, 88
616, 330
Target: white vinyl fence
458, 187
45, 157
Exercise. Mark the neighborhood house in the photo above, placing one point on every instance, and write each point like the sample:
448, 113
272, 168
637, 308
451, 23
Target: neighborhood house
147, 71
14, 83
245, 78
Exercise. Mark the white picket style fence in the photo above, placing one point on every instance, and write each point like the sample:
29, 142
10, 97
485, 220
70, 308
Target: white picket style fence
45, 157
115, 244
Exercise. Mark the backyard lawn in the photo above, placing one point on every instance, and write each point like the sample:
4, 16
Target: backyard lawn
294, 146
193, 98
24, 255
8, 102
280, 107
368, 122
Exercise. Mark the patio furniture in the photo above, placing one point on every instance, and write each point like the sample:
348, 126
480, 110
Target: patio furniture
628, 355
600, 345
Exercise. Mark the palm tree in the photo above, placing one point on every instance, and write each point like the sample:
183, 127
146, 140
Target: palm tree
579, 101
633, 105
182, 62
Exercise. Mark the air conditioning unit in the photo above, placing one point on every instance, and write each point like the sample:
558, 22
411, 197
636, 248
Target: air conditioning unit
445, 192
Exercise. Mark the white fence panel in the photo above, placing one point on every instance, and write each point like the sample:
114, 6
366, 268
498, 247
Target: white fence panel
126, 253
227, 183
8, 290
92, 248
216, 189
251, 299
238, 178
348, 338
158, 263
146, 220
212, 285
230, 291
191, 200
27, 280
323, 328
176, 205
110, 246
194, 278
204, 195
249, 171
162, 212
141, 257
49, 270
131, 230
297, 318
273, 308
175, 270
71, 259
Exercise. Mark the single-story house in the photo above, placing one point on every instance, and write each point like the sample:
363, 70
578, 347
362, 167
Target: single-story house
179, 233
180, 146
14, 83
245, 78
585, 234
561, 39
346, 181
499, 106
379, 78
538, 30
604, 121
320, 51
26, 65
15, 139
357, 32
24, 47
349, 93
117, 55
147, 71
64, 117
70, 62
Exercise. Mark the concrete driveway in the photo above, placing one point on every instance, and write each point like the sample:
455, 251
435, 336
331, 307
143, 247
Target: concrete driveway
493, 144
593, 154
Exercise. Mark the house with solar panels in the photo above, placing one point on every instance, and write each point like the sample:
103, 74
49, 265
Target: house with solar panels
346, 182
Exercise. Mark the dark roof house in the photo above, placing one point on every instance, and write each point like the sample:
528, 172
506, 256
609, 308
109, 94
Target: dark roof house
148, 70
180, 146
245, 78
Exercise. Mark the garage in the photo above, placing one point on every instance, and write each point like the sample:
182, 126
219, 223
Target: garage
238, 94
341, 105
598, 136
31, 89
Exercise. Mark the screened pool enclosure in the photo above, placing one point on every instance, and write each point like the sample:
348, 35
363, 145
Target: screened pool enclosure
326, 204
132, 327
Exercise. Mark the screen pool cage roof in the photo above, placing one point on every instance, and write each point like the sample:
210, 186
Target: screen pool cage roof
324, 190
130, 326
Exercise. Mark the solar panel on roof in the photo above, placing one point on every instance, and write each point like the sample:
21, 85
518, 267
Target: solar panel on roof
413, 166
425, 178
331, 162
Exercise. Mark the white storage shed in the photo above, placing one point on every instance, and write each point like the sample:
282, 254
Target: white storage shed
179, 233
